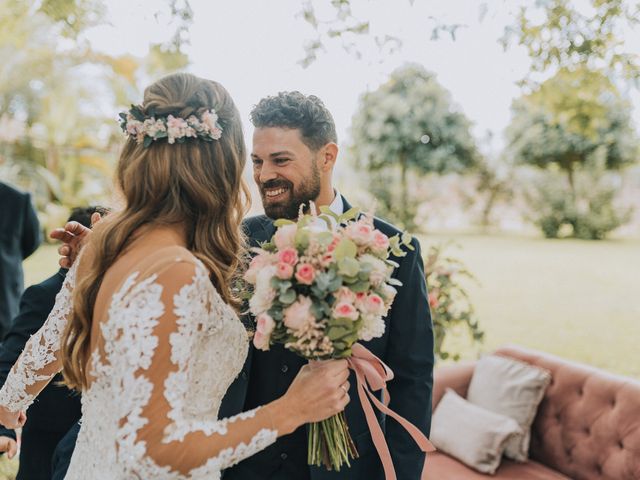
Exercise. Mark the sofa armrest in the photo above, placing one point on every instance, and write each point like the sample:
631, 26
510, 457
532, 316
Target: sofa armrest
456, 377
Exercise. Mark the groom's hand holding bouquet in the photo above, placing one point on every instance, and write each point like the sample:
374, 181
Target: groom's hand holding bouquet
318, 287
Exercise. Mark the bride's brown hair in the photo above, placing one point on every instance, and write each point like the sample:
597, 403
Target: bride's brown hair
197, 184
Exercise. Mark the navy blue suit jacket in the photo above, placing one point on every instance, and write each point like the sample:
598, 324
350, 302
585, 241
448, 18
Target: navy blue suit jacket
406, 347
19, 238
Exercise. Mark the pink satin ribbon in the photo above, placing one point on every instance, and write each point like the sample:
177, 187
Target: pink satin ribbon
372, 375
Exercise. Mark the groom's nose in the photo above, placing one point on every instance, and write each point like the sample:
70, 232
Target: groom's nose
267, 172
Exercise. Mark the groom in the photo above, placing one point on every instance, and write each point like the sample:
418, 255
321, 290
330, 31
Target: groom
294, 152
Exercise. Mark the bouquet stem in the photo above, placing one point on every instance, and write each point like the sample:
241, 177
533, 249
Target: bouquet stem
330, 443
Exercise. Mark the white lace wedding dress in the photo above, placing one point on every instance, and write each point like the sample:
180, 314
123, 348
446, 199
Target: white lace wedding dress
164, 350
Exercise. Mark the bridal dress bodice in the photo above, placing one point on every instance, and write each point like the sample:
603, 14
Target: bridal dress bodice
164, 349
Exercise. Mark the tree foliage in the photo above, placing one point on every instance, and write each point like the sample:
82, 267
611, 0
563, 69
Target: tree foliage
409, 125
568, 119
60, 96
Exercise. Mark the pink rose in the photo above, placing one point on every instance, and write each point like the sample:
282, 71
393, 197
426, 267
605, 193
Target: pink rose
344, 294
260, 341
326, 260
298, 314
345, 310
332, 246
361, 233
285, 271
360, 300
265, 324
374, 304
288, 255
380, 241
305, 273
285, 236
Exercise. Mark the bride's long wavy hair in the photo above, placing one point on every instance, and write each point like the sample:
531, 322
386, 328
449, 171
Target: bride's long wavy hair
197, 184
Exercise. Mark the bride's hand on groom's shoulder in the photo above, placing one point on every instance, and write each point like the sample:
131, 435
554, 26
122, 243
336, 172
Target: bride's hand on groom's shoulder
72, 236
11, 419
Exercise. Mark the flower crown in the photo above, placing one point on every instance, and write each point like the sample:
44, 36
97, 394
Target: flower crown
146, 129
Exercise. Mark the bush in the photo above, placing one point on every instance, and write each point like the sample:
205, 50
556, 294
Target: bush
590, 214
450, 305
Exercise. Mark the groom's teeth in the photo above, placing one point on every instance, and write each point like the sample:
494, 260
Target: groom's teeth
273, 193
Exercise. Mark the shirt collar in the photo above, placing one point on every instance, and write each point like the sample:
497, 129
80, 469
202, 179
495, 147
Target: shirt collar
337, 206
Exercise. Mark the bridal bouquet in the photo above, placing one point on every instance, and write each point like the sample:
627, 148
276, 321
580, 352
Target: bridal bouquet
319, 286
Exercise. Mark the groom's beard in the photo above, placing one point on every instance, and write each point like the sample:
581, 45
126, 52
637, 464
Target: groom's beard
289, 206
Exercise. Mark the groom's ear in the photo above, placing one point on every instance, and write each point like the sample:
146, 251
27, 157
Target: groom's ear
329, 155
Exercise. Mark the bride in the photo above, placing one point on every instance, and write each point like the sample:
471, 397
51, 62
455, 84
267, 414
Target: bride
146, 324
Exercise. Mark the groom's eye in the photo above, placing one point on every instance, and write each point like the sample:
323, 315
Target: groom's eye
281, 161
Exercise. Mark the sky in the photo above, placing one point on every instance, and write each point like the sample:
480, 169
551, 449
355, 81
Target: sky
253, 47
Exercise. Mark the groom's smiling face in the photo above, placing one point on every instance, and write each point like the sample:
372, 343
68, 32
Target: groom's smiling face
285, 169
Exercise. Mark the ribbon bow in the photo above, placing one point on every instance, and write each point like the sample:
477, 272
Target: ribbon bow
372, 375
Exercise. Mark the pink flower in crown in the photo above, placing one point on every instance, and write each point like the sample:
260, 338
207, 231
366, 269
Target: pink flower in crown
360, 232
345, 310
288, 255
285, 271
344, 294
175, 128
374, 304
380, 241
285, 236
305, 273
298, 314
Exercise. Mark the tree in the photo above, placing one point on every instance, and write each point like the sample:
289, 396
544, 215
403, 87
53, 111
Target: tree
409, 125
64, 94
570, 117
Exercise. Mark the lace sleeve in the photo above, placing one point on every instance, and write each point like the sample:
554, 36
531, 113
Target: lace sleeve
165, 433
39, 361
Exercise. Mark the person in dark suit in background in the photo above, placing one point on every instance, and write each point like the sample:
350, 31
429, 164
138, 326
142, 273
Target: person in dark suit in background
19, 238
57, 408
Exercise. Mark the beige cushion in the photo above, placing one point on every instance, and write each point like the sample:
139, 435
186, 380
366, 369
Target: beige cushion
473, 435
512, 388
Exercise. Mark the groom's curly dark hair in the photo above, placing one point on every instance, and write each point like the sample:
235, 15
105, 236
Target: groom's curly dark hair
295, 110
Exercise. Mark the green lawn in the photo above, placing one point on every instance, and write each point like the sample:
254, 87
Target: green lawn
577, 299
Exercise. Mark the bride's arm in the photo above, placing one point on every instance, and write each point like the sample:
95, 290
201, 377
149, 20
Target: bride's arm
177, 441
39, 361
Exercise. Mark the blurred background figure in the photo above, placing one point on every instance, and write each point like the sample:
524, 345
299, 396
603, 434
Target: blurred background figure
19, 238
57, 408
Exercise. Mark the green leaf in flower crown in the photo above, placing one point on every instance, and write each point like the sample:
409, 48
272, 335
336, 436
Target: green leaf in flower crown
348, 267
146, 143
349, 214
136, 112
345, 249
288, 297
281, 222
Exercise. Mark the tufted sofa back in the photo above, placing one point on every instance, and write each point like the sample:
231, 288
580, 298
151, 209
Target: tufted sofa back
588, 424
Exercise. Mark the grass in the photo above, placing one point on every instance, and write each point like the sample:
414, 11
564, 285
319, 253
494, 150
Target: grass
576, 299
